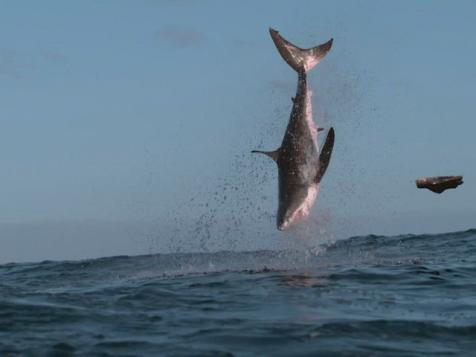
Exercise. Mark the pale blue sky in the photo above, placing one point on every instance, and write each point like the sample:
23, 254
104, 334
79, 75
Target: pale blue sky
119, 111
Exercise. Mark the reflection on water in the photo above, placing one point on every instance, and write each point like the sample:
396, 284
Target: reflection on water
303, 280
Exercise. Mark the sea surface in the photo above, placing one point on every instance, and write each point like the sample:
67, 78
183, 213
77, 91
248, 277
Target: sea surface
411, 295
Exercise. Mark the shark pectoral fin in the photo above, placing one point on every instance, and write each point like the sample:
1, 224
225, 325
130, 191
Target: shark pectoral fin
272, 154
325, 156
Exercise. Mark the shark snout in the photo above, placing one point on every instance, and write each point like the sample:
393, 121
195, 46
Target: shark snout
282, 224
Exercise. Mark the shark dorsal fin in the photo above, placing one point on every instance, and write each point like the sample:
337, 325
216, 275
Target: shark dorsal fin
272, 154
325, 156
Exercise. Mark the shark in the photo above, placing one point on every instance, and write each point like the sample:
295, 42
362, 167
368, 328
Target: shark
300, 165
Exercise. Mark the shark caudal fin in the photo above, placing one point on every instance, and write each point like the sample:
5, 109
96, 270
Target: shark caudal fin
298, 57
325, 156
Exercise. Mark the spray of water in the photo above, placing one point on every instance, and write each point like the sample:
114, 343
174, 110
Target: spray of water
235, 211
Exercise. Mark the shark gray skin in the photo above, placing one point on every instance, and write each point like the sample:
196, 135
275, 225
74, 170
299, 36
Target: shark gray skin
300, 167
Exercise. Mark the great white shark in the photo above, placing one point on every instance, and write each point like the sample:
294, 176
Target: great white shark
300, 167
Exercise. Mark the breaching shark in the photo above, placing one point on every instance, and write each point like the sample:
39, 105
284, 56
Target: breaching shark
300, 166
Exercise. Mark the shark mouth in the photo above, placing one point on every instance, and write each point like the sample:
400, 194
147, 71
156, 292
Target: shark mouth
303, 210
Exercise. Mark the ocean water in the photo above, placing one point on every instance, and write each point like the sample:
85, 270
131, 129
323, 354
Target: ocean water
412, 295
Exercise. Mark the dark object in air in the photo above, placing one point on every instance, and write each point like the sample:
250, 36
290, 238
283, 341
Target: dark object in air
439, 183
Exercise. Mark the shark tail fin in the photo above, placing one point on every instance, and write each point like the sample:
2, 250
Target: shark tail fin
298, 57
325, 156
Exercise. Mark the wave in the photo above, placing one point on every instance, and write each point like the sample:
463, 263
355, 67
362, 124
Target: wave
415, 288
351, 252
